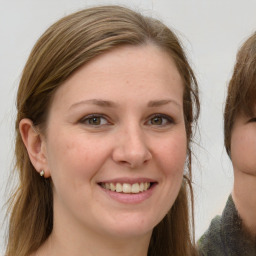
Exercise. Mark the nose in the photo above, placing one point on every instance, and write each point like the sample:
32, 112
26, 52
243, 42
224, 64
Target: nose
131, 148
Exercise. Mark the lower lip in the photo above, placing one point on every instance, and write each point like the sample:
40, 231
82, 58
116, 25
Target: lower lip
130, 198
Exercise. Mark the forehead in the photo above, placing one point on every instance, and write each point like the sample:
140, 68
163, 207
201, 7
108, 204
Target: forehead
145, 58
146, 70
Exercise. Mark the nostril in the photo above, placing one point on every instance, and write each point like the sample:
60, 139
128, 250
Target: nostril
124, 162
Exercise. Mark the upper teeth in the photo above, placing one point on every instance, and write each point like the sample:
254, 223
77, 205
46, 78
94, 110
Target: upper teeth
126, 187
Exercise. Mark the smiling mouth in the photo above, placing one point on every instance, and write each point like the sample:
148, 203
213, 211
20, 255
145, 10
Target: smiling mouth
127, 188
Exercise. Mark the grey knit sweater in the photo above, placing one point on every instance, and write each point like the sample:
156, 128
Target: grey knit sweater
225, 236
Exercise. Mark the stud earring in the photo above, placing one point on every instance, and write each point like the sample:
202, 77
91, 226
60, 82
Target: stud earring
42, 173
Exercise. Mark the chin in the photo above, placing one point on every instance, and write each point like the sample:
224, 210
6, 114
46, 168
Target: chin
132, 227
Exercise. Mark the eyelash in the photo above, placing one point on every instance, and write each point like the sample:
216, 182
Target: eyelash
168, 120
165, 120
87, 119
252, 120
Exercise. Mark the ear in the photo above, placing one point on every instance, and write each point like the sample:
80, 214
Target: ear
35, 144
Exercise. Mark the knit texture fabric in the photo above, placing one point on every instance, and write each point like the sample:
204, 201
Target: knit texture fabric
225, 236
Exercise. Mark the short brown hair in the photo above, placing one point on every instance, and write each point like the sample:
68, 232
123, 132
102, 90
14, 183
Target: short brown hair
241, 96
62, 49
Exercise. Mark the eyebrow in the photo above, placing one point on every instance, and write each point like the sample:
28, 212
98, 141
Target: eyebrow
111, 104
98, 102
158, 103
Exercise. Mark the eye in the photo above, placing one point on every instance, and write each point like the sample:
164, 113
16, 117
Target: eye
94, 120
160, 120
252, 120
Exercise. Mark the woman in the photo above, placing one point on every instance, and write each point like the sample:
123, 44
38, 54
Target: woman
105, 106
234, 233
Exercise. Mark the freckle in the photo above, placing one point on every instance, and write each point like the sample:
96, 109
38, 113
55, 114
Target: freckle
70, 146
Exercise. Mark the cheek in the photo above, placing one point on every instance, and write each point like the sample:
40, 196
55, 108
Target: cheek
172, 155
75, 157
171, 161
243, 151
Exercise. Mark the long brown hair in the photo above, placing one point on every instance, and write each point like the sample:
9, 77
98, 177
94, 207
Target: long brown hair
241, 96
63, 48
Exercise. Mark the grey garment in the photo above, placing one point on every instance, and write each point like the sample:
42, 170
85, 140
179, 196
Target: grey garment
225, 236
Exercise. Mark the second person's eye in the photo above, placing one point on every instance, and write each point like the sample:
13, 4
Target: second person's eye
252, 120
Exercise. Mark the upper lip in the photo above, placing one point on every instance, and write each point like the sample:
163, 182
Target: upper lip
128, 180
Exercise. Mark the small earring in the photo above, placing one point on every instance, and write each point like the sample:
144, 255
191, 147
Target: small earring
42, 173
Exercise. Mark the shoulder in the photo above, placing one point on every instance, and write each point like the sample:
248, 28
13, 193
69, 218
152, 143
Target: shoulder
211, 243
225, 235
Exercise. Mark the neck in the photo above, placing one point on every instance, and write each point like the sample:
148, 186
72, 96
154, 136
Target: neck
243, 194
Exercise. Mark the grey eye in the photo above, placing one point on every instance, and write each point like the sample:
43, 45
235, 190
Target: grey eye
94, 120
157, 120
160, 120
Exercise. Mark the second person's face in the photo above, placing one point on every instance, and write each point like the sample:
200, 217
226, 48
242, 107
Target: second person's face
243, 145
116, 143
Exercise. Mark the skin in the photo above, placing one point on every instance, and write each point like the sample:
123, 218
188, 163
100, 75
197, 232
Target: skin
243, 152
136, 93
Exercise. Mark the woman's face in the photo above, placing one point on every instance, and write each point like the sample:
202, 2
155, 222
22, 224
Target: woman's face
115, 143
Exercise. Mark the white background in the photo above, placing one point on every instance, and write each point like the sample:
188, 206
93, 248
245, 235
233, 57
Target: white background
211, 32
